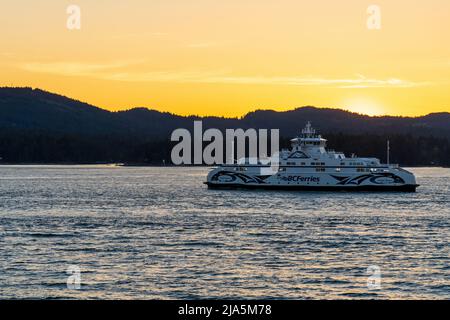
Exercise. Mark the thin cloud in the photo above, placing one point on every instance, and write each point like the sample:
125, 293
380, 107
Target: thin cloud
74, 68
203, 45
111, 71
207, 77
161, 76
300, 81
139, 35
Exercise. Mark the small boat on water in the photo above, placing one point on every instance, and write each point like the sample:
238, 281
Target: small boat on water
308, 165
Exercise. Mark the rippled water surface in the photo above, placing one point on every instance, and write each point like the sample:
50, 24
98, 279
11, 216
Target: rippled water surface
159, 233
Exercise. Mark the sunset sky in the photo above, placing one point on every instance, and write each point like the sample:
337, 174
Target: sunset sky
229, 57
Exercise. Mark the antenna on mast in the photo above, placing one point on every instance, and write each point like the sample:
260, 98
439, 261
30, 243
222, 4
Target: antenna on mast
388, 151
232, 160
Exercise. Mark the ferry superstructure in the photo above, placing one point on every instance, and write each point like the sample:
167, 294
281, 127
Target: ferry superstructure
308, 165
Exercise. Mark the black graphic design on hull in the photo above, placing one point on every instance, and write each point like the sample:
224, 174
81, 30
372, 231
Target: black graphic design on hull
233, 176
374, 178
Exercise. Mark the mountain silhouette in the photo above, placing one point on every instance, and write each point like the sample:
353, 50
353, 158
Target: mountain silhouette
39, 126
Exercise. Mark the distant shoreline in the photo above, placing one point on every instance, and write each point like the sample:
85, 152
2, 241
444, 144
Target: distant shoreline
39, 126
97, 164
130, 165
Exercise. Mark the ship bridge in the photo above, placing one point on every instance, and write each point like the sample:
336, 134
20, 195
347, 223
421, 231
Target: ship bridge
309, 142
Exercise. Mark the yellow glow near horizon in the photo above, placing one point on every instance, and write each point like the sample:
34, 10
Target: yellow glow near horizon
226, 58
363, 106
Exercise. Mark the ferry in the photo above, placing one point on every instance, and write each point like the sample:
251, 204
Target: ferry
309, 166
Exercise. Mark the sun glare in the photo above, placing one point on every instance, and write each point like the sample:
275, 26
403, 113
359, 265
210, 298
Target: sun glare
363, 106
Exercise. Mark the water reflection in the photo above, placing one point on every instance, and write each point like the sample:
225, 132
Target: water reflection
159, 233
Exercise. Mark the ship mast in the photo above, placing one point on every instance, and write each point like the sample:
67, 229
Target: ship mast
388, 151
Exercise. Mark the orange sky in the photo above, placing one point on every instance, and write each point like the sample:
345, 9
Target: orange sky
228, 57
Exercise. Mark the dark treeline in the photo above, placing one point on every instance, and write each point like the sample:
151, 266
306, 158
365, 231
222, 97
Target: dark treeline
406, 149
41, 127
33, 146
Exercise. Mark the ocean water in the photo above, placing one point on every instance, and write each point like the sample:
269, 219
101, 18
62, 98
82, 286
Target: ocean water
159, 233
